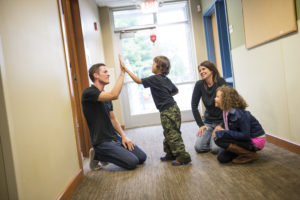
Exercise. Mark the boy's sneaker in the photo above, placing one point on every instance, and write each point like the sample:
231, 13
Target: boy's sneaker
177, 163
167, 158
93, 163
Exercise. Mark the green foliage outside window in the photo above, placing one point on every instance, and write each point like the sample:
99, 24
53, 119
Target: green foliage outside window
137, 53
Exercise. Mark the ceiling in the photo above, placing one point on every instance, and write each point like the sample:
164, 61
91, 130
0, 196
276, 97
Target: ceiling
121, 3
117, 3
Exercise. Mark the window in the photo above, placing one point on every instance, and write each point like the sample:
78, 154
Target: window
173, 40
131, 18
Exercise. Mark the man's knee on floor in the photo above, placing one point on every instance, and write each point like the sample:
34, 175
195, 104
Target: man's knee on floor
142, 158
131, 163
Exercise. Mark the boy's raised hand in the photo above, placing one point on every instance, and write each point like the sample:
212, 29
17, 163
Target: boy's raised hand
124, 69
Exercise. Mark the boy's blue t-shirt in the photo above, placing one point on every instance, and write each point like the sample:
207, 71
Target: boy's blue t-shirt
162, 89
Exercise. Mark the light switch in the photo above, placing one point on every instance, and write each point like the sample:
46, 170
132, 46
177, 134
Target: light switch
230, 29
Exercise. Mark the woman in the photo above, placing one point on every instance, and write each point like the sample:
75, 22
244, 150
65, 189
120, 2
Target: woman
206, 89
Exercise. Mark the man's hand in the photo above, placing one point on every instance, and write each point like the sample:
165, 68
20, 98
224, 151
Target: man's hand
122, 65
127, 143
201, 131
217, 128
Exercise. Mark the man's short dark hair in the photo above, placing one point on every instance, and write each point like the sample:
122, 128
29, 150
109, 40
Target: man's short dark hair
94, 69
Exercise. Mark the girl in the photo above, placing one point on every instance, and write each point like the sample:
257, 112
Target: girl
243, 134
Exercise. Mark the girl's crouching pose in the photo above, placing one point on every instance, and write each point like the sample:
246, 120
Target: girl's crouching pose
242, 135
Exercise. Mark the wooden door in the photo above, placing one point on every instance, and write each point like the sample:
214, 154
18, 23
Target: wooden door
76, 67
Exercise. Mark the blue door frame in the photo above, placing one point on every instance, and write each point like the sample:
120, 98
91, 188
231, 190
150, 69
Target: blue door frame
219, 8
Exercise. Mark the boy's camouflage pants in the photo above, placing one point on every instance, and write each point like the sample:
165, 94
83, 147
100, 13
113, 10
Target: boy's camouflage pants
173, 143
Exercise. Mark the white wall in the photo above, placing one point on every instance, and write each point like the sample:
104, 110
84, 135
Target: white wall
109, 53
92, 38
37, 101
198, 31
267, 75
95, 41
268, 78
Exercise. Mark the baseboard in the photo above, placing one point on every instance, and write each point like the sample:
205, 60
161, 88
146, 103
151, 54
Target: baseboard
283, 143
71, 187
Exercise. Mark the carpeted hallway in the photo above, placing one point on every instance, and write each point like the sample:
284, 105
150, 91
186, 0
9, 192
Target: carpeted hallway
276, 175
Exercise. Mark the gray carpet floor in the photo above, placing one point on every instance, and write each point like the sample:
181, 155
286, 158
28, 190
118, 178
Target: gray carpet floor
276, 175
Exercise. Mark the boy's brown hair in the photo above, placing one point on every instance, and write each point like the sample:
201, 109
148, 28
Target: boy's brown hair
230, 98
94, 69
163, 64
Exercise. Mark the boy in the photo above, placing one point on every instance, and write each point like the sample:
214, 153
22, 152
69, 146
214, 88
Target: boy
163, 90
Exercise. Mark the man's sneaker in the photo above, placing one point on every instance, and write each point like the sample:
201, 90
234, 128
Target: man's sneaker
177, 163
93, 163
103, 163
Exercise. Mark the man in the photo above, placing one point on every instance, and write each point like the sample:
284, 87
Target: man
110, 143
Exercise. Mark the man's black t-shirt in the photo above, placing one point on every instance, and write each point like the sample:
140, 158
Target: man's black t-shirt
162, 89
97, 116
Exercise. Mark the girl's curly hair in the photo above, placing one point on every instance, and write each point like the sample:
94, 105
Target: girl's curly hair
230, 98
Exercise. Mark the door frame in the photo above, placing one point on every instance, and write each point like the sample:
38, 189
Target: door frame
147, 119
139, 120
150, 118
9, 183
76, 69
219, 8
